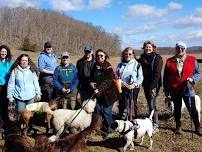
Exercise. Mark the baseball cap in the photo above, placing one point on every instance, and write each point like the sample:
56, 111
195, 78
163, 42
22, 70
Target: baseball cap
65, 54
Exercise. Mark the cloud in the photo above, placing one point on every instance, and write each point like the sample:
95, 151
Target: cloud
99, 4
67, 5
17, 3
194, 19
144, 11
174, 6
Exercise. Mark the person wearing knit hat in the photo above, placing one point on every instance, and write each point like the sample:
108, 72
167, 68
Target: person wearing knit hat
181, 70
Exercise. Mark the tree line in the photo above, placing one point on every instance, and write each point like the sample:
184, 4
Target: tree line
28, 28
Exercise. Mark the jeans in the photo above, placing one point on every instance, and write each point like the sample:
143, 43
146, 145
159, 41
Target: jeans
151, 101
106, 112
125, 103
20, 104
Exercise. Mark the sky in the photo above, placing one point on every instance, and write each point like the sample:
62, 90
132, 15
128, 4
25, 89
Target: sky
163, 21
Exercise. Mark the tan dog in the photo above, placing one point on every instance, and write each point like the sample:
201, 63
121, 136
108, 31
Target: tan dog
42, 118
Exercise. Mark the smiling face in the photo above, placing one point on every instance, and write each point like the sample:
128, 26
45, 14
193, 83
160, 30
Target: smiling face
100, 57
148, 49
24, 62
3, 54
180, 51
128, 55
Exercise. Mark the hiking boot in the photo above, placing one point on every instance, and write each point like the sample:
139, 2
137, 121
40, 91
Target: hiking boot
198, 131
178, 130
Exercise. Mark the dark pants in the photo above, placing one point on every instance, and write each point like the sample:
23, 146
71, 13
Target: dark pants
125, 103
190, 104
85, 94
47, 91
4, 105
151, 101
106, 112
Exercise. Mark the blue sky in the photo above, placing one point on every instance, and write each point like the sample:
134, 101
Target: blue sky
163, 21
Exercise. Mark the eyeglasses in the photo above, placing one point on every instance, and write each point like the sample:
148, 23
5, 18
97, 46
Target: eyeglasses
129, 54
100, 55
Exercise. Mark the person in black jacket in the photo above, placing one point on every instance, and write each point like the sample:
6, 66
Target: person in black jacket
84, 67
152, 66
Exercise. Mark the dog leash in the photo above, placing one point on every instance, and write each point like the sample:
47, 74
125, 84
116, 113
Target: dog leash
135, 126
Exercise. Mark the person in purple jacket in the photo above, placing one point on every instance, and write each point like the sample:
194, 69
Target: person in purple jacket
47, 62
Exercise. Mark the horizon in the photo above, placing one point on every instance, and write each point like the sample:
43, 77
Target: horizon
134, 21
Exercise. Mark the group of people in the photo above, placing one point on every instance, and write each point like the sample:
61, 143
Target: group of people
22, 82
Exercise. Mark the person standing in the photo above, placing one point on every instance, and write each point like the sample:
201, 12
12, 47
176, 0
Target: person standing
84, 67
130, 73
180, 71
5, 65
23, 85
152, 66
104, 87
65, 81
47, 62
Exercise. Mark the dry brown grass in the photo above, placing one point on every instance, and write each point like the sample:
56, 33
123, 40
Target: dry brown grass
165, 140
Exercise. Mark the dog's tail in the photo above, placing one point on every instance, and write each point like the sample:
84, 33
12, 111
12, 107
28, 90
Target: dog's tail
151, 114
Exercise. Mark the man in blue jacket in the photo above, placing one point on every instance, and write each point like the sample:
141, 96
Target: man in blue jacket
65, 81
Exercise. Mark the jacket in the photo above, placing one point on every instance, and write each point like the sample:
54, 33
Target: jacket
130, 72
173, 81
5, 71
151, 66
23, 84
102, 75
65, 76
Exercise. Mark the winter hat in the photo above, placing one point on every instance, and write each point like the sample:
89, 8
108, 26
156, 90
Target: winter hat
47, 45
181, 44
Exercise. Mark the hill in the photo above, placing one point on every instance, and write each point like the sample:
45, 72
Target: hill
29, 28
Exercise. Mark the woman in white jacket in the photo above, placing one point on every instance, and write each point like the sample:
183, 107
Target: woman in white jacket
130, 73
23, 85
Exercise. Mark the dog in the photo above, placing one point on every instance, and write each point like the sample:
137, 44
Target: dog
14, 141
69, 143
76, 119
170, 105
42, 118
128, 128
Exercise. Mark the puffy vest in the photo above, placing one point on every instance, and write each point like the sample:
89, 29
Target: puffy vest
175, 81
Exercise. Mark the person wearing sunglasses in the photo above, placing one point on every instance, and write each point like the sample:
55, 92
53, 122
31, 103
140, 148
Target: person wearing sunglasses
104, 87
180, 71
84, 67
65, 82
152, 64
130, 73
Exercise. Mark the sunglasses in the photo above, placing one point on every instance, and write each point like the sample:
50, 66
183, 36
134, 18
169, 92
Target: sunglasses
180, 49
65, 57
100, 55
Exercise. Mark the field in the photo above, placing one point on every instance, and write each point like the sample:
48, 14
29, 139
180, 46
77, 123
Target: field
164, 141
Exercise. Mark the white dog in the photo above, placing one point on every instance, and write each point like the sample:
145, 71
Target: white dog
197, 103
126, 128
77, 119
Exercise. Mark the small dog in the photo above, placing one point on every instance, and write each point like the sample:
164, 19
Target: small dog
43, 118
76, 119
127, 128
170, 104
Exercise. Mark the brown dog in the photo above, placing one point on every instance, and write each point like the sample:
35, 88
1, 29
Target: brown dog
70, 143
14, 141
42, 118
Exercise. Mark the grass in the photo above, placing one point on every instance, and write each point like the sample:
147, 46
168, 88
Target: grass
164, 141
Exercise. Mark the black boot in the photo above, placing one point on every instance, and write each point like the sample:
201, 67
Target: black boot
178, 129
198, 130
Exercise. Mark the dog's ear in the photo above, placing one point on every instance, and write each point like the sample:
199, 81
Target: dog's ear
114, 125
